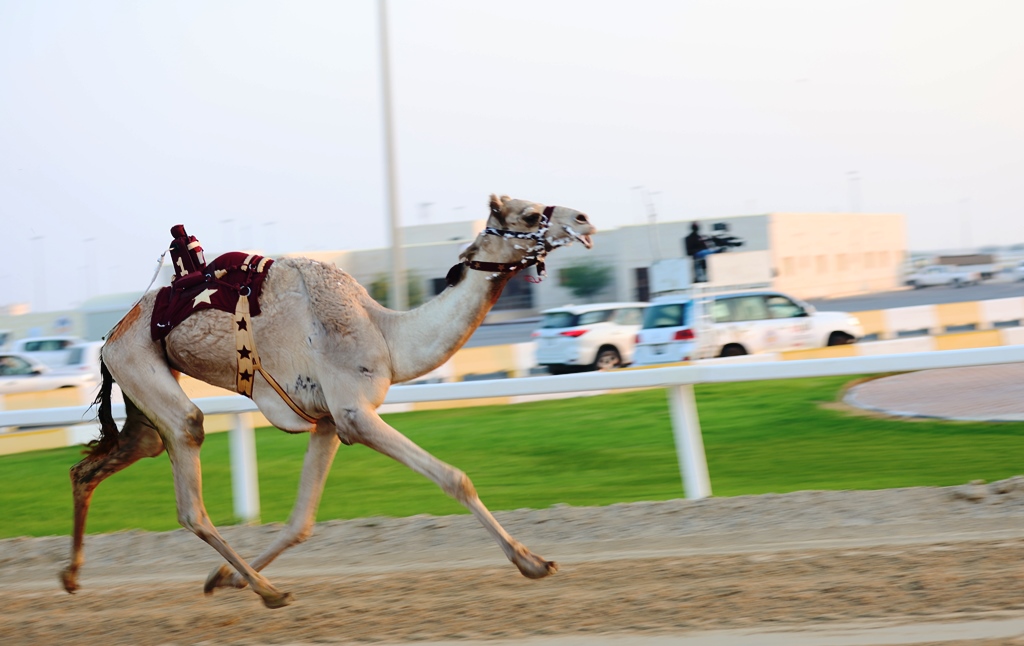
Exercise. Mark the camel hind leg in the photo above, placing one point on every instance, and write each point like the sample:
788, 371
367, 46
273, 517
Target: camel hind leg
141, 369
138, 439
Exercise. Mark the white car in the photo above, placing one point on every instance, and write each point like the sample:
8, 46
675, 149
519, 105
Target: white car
21, 373
939, 275
588, 337
684, 328
51, 350
84, 361
1017, 271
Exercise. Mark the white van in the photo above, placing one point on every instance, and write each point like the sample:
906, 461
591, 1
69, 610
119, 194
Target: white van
686, 327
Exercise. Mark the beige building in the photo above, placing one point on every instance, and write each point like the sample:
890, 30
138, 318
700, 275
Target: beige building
810, 255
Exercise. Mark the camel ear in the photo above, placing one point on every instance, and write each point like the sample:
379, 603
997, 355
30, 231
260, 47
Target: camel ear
497, 208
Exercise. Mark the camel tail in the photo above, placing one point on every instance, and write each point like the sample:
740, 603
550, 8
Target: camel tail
109, 432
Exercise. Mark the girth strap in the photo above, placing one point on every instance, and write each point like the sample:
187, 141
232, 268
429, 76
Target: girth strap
249, 360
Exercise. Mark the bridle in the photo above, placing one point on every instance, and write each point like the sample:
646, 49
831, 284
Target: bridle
535, 254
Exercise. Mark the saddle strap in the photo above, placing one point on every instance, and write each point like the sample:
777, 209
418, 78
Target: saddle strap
249, 360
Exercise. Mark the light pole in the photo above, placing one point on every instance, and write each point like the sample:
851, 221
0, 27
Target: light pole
853, 178
39, 275
397, 295
965, 223
90, 268
652, 220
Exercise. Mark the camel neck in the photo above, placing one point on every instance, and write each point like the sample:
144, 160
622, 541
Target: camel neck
424, 338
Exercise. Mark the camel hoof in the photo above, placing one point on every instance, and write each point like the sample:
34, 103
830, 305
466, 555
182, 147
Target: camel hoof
537, 568
70, 580
222, 577
278, 600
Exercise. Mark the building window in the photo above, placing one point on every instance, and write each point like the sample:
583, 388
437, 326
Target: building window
822, 264
643, 285
517, 295
788, 266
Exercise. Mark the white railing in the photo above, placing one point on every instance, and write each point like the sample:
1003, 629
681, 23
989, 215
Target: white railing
677, 380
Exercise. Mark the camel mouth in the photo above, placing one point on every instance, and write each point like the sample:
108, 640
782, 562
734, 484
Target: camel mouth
584, 238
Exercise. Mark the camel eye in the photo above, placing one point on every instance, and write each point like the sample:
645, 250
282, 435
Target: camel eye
582, 218
532, 219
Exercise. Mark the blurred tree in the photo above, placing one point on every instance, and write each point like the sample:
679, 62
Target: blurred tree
584, 281
381, 287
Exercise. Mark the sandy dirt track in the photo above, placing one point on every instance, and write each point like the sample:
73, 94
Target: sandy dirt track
796, 562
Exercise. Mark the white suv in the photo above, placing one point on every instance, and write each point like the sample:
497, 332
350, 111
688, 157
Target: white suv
588, 337
684, 328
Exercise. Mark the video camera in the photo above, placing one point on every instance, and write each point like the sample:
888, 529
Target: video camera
721, 239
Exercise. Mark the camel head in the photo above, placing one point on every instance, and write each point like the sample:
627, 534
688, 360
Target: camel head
521, 233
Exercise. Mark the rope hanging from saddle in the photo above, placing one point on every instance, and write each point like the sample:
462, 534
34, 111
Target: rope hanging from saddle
231, 283
534, 255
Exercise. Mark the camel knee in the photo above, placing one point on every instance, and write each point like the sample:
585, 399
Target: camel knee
303, 533
196, 522
459, 486
194, 427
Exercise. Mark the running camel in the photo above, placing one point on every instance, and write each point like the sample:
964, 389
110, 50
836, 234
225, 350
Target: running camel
337, 351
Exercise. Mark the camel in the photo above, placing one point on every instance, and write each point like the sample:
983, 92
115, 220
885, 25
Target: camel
337, 351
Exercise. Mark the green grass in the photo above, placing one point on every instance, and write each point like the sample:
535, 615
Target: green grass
759, 437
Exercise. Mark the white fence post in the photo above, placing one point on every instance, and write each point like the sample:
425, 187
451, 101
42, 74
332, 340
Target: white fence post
245, 483
689, 444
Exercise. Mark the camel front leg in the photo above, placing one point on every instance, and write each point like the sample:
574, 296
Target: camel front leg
323, 446
370, 430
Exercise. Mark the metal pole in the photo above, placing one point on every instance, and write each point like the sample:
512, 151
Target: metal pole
397, 295
245, 484
689, 443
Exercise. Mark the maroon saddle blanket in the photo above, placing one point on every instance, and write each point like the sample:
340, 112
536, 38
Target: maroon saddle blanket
217, 286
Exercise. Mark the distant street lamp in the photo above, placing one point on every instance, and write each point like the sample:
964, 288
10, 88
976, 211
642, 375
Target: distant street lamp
853, 179
39, 275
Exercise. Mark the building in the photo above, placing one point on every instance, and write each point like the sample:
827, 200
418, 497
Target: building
810, 255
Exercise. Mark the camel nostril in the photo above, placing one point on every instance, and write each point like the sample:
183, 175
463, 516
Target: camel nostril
581, 218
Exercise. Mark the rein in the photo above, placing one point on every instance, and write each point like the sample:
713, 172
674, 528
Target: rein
534, 255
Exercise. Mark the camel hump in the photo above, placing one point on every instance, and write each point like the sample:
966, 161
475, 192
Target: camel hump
336, 299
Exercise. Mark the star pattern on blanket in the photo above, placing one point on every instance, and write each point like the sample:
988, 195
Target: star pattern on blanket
203, 297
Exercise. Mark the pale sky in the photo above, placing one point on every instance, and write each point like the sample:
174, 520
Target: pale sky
257, 123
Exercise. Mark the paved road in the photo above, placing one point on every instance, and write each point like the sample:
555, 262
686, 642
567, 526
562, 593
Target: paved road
926, 296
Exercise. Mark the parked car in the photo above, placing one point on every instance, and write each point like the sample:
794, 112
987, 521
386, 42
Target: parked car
83, 359
684, 327
945, 275
21, 373
588, 337
51, 350
1017, 271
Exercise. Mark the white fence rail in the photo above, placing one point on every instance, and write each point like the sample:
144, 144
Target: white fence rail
678, 380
